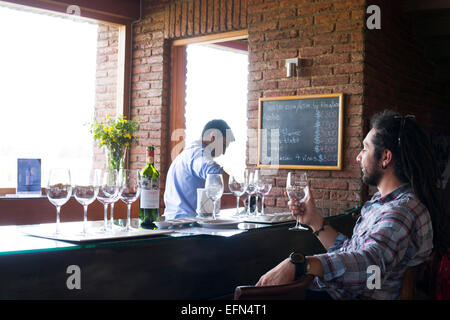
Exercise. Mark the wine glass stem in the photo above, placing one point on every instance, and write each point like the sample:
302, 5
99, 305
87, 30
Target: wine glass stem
248, 205
128, 216
85, 220
214, 210
112, 214
237, 205
106, 216
58, 210
262, 205
256, 205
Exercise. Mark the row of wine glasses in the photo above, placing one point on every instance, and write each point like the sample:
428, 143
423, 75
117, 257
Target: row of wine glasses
88, 185
296, 189
252, 184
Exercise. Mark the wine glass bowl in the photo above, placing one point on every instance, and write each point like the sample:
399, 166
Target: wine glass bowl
237, 188
58, 190
214, 189
297, 190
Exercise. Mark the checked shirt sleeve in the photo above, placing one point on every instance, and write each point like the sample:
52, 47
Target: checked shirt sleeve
382, 244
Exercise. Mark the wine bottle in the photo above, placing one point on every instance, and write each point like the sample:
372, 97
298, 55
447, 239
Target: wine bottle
149, 201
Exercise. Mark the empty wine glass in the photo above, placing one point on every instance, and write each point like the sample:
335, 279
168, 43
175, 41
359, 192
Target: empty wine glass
297, 189
86, 184
251, 189
264, 187
214, 189
114, 200
108, 192
238, 189
130, 190
58, 190
256, 182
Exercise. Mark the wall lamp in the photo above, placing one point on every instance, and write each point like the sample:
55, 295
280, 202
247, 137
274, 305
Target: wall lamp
292, 67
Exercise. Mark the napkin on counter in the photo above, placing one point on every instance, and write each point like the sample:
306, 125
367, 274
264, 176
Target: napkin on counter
205, 205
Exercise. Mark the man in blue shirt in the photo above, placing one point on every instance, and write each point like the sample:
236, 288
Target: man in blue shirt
188, 171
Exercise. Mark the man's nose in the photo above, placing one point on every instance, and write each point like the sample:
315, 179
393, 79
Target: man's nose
358, 157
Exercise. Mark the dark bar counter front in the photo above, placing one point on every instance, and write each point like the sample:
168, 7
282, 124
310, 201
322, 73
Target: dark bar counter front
174, 266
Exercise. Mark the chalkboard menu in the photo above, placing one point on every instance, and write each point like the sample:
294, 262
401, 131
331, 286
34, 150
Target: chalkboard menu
300, 132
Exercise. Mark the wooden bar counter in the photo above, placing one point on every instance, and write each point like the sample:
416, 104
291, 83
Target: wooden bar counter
174, 266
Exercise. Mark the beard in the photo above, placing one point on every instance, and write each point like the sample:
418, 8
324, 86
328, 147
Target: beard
372, 175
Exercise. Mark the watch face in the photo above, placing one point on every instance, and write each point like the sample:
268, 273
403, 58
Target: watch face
297, 258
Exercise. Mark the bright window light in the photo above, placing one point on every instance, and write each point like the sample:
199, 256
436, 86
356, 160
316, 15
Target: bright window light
216, 88
47, 91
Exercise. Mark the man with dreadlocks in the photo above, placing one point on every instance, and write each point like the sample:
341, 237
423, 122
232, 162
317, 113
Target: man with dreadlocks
398, 228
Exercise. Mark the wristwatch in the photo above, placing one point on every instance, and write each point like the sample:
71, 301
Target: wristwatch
301, 264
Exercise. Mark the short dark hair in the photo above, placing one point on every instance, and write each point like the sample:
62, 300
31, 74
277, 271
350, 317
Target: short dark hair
222, 126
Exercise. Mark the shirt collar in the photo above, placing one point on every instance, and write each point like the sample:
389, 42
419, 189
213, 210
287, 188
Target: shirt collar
399, 191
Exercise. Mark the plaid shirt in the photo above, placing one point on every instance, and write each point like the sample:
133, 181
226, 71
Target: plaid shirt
393, 232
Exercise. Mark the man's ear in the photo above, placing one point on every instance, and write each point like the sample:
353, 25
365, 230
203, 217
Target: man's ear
386, 158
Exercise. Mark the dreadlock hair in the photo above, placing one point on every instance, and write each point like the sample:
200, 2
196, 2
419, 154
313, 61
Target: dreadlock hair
414, 162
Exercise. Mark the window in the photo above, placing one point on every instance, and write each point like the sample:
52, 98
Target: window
209, 78
48, 91
216, 88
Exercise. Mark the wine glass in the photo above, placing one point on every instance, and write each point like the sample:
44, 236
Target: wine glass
214, 188
58, 190
297, 189
86, 185
251, 189
264, 188
238, 189
130, 190
114, 200
108, 191
256, 182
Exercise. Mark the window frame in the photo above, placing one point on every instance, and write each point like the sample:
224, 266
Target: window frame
177, 106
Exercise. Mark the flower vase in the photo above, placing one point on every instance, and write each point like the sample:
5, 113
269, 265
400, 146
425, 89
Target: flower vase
115, 158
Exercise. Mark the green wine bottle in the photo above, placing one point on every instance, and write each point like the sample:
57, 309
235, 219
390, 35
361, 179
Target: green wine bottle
149, 201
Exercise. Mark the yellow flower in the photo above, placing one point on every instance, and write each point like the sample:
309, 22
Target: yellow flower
128, 136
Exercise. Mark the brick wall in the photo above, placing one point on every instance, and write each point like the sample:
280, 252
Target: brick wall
375, 69
328, 36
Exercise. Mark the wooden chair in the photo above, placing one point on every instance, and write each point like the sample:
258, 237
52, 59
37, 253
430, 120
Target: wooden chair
295, 290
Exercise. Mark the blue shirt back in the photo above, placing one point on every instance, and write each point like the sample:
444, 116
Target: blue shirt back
186, 174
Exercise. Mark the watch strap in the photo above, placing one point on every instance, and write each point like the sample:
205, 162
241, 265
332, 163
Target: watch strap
300, 267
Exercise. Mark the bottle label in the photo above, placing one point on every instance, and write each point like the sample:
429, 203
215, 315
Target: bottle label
150, 193
149, 199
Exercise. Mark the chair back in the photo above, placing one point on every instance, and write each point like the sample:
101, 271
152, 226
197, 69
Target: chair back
409, 283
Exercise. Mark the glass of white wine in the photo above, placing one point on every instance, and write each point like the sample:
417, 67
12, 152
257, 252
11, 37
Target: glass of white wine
58, 190
297, 189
